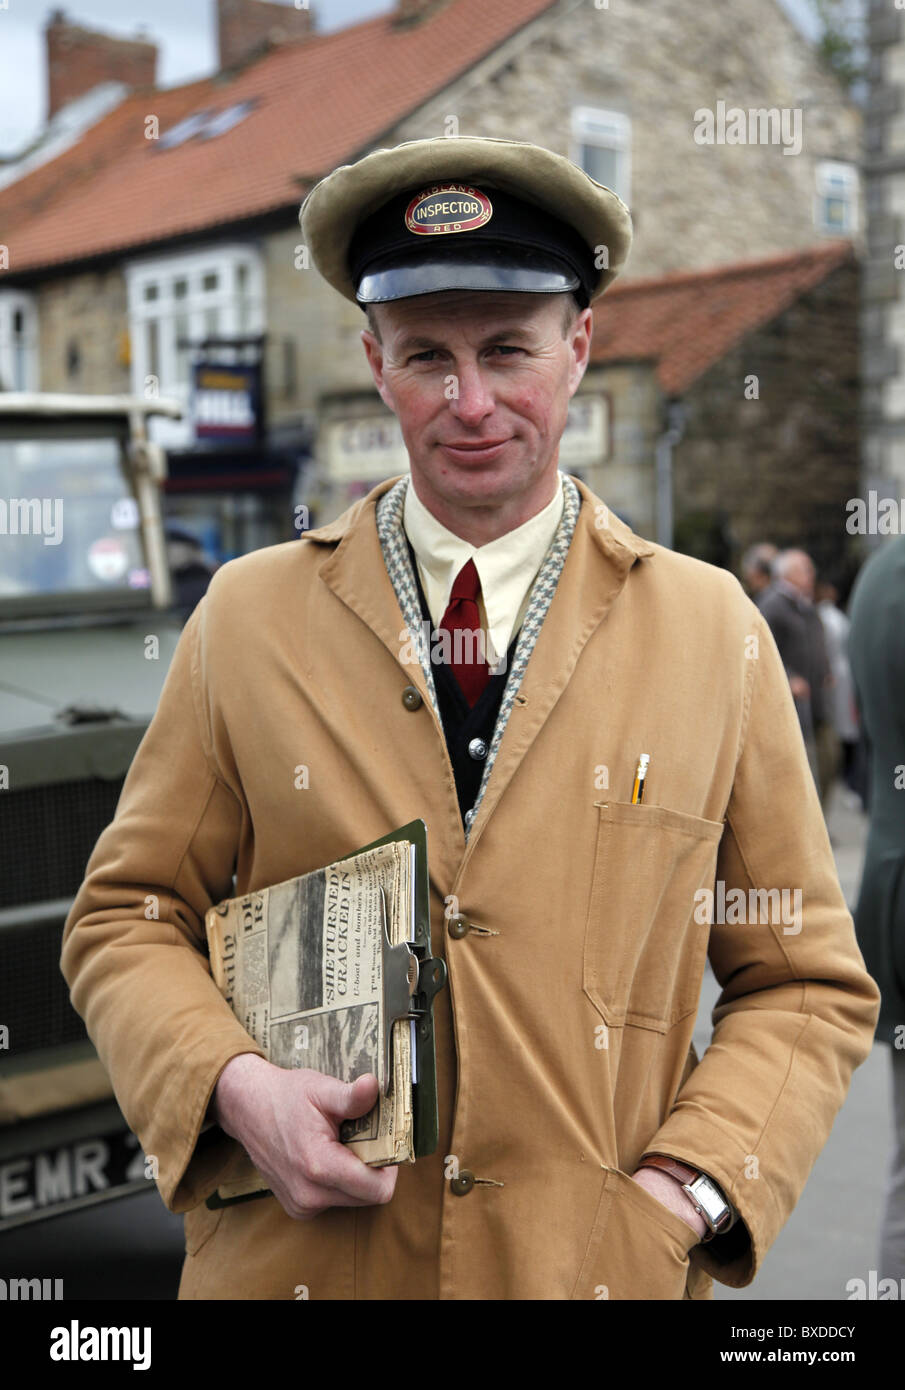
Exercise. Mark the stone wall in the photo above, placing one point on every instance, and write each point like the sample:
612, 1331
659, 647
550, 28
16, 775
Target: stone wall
693, 205
883, 293
83, 334
780, 467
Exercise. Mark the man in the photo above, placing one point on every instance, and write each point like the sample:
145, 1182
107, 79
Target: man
574, 920
757, 569
877, 654
788, 606
843, 713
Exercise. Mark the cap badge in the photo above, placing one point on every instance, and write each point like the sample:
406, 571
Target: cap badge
448, 207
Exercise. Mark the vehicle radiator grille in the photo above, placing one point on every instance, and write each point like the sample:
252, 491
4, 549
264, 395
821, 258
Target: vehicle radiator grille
47, 834
46, 837
35, 997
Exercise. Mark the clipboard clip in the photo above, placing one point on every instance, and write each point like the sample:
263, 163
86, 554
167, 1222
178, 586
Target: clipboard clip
410, 977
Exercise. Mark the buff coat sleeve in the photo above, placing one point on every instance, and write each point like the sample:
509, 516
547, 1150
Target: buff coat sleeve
797, 1011
134, 946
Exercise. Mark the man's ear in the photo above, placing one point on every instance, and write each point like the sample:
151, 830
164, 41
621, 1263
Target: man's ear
580, 347
374, 353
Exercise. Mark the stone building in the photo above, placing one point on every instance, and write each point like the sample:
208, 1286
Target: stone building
754, 370
155, 236
883, 296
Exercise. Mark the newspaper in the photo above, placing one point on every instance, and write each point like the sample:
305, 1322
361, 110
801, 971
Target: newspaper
300, 964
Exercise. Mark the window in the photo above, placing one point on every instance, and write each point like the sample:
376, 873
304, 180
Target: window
204, 125
181, 299
836, 202
602, 145
18, 341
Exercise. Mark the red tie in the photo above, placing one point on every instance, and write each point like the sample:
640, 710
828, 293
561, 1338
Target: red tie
462, 616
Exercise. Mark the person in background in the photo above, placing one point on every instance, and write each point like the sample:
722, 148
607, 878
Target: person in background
190, 568
788, 606
843, 711
757, 569
877, 655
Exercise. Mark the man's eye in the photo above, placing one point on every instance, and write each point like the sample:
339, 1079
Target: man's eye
505, 348
424, 356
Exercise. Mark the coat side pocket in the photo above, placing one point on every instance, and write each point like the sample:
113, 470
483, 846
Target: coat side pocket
638, 1248
644, 950
200, 1224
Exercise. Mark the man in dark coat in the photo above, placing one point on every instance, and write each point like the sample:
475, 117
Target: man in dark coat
788, 606
877, 655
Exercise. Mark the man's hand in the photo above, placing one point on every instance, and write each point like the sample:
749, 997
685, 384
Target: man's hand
671, 1193
288, 1124
801, 690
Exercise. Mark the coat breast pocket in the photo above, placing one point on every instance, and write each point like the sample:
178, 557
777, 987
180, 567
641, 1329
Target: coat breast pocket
644, 950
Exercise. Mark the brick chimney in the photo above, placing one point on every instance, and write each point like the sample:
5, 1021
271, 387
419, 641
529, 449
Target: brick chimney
409, 12
246, 27
79, 59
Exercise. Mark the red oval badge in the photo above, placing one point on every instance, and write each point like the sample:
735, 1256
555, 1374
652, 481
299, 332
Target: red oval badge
446, 208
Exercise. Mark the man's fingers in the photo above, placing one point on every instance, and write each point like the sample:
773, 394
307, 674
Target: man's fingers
382, 1189
334, 1167
344, 1100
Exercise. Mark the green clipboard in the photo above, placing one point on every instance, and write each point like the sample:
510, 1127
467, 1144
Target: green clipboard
431, 979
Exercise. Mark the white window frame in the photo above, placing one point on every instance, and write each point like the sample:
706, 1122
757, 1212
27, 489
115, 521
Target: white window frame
608, 130
824, 171
163, 272
13, 302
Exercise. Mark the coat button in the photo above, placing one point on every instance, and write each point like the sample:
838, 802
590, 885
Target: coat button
458, 926
463, 1184
477, 749
411, 698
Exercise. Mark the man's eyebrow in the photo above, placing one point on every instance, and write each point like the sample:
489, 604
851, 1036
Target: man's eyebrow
425, 344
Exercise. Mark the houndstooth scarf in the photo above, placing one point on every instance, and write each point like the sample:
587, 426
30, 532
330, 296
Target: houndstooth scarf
392, 535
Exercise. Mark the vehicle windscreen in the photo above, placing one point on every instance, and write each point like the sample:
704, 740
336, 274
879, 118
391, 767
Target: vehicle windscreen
68, 520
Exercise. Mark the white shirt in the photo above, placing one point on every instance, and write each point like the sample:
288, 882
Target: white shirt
507, 567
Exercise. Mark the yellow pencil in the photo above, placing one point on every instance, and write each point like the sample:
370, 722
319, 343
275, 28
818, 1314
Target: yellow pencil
640, 774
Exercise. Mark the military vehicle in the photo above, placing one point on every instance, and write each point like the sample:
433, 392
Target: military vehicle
87, 631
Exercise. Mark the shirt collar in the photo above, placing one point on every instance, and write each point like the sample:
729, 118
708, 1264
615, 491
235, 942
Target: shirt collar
506, 567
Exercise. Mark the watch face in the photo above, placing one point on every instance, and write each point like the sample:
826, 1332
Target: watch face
713, 1203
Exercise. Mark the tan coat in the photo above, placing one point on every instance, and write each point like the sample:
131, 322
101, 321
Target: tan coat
587, 906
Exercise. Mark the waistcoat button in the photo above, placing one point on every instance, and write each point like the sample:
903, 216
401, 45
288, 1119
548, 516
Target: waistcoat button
477, 749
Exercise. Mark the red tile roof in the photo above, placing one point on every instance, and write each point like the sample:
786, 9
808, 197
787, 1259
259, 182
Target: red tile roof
687, 321
320, 101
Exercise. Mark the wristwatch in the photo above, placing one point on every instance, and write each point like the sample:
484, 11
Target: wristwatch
703, 1191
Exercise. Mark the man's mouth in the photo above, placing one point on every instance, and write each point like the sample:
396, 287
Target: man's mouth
477, 450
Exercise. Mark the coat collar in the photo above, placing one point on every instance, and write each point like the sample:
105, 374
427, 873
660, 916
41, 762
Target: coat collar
602, 552
614, 538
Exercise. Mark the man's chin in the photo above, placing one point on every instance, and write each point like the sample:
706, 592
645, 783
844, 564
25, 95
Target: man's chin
492, 481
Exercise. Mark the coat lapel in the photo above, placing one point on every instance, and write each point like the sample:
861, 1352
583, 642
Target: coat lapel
597, 565
356, 573
601, 554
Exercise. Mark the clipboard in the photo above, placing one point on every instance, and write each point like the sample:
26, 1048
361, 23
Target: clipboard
431, 979
411, 979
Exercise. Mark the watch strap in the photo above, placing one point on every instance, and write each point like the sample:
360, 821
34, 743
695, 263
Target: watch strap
683, 1171
686, 1175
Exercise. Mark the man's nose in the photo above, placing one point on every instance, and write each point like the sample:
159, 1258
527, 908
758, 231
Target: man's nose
470, 396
